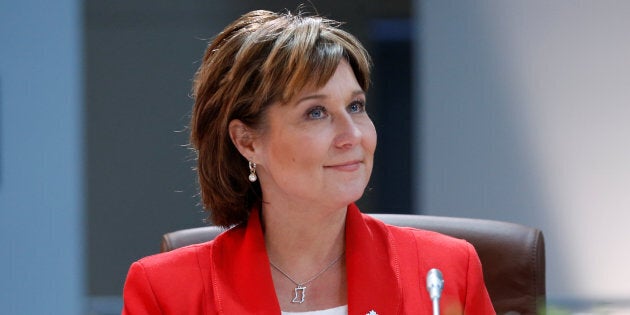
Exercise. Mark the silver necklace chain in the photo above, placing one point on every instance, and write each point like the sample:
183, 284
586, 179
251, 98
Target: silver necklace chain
300, 289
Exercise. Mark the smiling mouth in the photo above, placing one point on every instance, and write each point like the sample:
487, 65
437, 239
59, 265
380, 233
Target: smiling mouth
347, 166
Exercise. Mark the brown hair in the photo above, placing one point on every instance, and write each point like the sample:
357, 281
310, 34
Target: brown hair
261, 58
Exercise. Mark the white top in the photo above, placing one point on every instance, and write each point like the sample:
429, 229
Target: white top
340, 310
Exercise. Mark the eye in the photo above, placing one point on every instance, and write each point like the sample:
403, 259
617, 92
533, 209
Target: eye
317, 112
356, 107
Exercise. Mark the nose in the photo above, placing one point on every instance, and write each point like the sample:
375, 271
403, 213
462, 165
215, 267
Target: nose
348, 132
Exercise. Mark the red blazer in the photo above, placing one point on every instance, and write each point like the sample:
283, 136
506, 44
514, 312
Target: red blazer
386, 269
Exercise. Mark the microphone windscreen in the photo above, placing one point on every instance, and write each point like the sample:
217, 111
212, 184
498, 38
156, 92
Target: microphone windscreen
435, 283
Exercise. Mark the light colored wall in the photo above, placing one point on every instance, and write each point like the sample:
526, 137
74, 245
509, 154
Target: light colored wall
524, 110
41, 269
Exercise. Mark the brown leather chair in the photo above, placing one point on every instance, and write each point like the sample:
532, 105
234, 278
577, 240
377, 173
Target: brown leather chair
512, 255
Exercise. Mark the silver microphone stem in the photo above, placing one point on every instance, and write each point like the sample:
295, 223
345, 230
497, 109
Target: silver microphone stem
435, 284
436, 307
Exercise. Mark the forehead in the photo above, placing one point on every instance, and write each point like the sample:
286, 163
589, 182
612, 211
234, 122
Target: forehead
342, 83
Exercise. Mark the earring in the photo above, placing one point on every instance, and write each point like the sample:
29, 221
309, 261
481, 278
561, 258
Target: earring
252, 172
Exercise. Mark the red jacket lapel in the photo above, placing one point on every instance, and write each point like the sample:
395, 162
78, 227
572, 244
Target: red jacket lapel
373, 270
241, 276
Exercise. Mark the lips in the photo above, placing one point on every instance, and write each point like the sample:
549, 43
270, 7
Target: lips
349, 166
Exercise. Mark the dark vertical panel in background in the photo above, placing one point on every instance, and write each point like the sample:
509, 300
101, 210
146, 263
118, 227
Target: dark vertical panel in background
390, 107
140, 58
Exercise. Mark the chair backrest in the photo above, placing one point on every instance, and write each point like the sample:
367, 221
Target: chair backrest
512, 255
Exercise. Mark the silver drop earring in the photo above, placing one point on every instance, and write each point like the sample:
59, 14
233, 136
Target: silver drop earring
252, 172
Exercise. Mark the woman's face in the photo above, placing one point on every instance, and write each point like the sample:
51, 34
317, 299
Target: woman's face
318, 148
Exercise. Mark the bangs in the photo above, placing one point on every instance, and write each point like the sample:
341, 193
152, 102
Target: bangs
306, 55
315, 69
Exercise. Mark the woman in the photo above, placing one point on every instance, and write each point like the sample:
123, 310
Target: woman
285, 147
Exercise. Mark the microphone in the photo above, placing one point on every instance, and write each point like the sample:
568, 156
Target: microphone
435, 284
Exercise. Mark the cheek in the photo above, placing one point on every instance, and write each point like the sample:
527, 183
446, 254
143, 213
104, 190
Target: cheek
369, 138
293, 149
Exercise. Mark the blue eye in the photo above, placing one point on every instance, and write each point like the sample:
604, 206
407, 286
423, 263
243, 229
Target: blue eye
318, 112
356, 107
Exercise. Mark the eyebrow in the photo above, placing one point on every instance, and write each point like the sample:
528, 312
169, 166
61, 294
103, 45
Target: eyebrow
323, 96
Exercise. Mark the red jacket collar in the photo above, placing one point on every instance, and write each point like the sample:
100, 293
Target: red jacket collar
241, 277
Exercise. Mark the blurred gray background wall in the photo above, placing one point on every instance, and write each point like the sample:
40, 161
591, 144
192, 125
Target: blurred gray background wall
41, 166
514, 111
525, 117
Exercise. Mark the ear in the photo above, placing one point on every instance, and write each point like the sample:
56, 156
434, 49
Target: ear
243, 138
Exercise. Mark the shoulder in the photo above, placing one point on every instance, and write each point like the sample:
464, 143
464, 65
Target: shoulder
180, 267
190, 256
421, 250
178, 260
188, 265
417, 251
431, 247
432, 241
423, 240
168, 282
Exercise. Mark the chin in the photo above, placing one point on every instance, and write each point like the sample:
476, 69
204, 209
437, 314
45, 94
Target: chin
350, 196
344, 192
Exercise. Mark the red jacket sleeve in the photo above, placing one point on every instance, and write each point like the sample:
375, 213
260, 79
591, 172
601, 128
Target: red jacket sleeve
477, 297
138, 296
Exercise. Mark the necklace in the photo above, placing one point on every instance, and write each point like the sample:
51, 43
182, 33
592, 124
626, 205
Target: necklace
300, 288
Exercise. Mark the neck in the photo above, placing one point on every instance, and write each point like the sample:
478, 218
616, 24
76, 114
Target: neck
305, 244
301, 241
